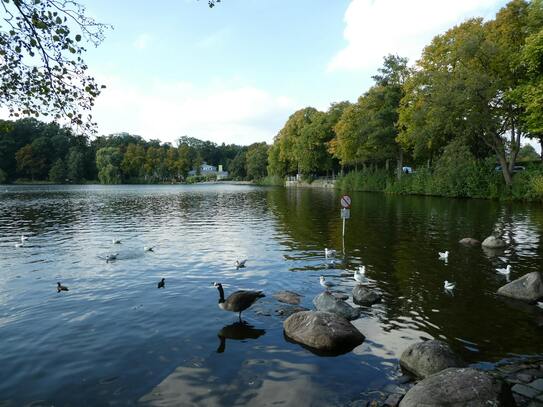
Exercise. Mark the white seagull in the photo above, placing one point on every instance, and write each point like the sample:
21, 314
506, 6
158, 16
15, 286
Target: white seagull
326, 284
111, 257
506, 271
449, 286
240, 263
540, 304
116, 241
360, 275
444, 255
17, 245
148, 249
329, 252
23, 238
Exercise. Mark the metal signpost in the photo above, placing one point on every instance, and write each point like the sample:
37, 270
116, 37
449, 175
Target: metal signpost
345, 210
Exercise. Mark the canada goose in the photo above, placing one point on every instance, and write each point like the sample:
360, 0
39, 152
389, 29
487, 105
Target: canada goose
148, 249
448, 285
326, 284
116, 241
61, 287
444, 255
506, 271
240, 264
161, 284
329, 252
111, 257
360, 275
238, 301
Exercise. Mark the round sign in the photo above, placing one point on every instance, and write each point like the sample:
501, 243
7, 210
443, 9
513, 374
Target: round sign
346, 201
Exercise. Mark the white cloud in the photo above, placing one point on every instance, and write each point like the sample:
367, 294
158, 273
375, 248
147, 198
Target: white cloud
220, 113
375, 28
142, 41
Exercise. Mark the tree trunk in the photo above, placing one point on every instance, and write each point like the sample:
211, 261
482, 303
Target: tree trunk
505, 169
399, 171
387, 164
541, 145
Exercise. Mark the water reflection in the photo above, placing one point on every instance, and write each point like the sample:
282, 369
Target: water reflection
238, 331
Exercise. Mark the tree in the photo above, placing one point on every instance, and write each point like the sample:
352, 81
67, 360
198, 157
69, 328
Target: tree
257, 160
57, 173
75, 165
527, 153
237, 167
28, 164
108, 161
42, 70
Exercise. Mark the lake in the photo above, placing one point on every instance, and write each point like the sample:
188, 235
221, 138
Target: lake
114, 338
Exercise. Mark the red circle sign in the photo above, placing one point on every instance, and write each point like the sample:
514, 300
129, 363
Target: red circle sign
346, 201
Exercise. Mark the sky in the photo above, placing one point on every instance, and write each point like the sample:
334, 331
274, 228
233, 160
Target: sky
236, 72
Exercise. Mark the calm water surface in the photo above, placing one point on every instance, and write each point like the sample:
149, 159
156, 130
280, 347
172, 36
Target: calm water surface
116, 339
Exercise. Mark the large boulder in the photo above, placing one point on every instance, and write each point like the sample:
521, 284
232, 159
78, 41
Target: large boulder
464, 387
326, 302
426, 358
493, 242
322, 332
288, 297
365, 296
527, 288
468, 241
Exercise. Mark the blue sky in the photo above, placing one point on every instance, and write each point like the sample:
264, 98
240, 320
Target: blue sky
235, 73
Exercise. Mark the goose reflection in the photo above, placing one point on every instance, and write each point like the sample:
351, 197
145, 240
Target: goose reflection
238, 331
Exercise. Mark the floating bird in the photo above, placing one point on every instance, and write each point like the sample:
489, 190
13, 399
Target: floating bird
61, 287
17, 245
116, 241
329, 252
448, 285
506, 271
540, 305
444, 255
161, 283
326, 284
23, 238
148, 249
240, 263
111, 257
238, 301
360, 275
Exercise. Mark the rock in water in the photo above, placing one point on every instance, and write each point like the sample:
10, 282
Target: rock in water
288, 297
526, 288
455, 387
468, 241
426, 358
365, 296
492, 242
326, 302
323, 331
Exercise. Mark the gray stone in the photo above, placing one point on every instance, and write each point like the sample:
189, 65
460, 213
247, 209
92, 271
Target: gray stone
288, 297
326, 302
287, 311
453, 387
426, 358
393, 400
525, 391
340, 296
468, 241
365, 296
493, 242
527, 288
524, 377
323, 331
537, 384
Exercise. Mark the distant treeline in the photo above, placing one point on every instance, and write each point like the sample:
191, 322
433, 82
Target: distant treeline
31, 150
464, 106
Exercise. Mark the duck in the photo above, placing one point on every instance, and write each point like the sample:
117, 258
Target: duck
240, 263
360, 275
148, 249
61, 287
111, 257
329, 252
449, 285
116, 241
505, 271
326, 284
161, 283
444, 255
238, 301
